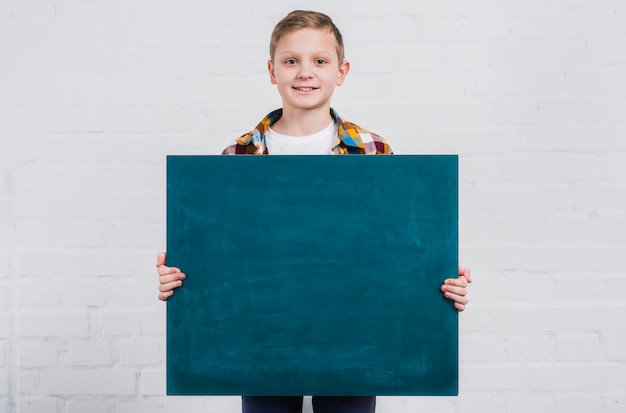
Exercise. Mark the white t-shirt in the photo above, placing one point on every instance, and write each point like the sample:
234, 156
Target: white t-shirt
320, 143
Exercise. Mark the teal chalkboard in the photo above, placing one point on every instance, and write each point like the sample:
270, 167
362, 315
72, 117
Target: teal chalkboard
312, 275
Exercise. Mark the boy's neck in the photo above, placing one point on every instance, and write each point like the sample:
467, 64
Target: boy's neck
302, 122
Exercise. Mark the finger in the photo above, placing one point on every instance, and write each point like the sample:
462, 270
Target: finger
160, 259
459, 306
165, 270
165, 287
456, 282
466, 273
462, 291
168, 278
164, 296
461, 299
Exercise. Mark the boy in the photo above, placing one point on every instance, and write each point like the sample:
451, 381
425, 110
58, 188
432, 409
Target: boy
306, 63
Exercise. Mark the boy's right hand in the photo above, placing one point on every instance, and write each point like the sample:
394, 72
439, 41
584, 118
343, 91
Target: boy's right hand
169, 278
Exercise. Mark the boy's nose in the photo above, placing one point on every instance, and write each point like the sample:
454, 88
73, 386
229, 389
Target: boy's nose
305, 72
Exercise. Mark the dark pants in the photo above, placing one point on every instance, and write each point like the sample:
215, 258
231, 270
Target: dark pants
255, 404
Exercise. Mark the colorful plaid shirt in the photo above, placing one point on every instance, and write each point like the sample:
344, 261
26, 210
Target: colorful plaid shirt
351, 139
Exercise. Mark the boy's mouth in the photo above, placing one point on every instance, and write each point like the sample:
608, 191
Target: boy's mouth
304, 89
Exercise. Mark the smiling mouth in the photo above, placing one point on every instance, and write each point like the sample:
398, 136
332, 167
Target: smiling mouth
305, 89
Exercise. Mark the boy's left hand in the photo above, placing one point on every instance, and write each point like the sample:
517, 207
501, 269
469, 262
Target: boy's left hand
455, 289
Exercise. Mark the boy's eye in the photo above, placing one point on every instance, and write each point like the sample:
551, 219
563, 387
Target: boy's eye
290, 61
320, 61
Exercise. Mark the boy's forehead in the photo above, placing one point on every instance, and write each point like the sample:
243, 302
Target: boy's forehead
306, 37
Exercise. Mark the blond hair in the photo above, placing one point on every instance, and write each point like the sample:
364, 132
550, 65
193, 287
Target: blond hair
306, 19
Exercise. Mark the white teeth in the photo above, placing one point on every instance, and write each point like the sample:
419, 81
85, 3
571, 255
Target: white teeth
304, 89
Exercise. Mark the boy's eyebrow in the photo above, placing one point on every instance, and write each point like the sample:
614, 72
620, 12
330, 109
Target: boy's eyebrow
294, 52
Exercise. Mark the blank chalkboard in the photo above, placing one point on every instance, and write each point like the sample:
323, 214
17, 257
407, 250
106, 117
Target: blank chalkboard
312, 275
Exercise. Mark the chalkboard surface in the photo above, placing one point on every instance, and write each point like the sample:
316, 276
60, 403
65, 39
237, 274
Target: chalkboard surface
312, 275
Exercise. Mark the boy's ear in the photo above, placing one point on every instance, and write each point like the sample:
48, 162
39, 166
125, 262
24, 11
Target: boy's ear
344, 68
270, 69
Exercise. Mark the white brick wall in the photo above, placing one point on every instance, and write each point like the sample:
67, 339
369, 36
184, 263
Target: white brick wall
531, 95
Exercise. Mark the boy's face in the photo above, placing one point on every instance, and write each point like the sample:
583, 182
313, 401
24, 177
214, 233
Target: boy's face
306, 69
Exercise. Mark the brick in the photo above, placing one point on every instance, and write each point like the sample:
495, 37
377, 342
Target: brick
4, 382
490, 258
530, 403
55, 263
116, 264
138, 10
33, 10
534, 319
520, 228
36, 233
577, 377
7, 231
37, 205
563, 228
39, 292
604, 317
134, 63
481, 230
527, 348
577, 348
574, 287
93, 10
37, 406
5, 302
91, 382
132, 292
153, 383
516, 198
612, 227
615, 287
68, 64
609, 109
525, 168
531, 288
571, 258
572, 24
579, 403
78, 406
124, 323
570, 136
477, 348
612, 167
403, 404
52, 324
140, 353
186, 9
178, 120
134, 234
139, 407
38, 355
189, 404
576, 167
82, 234
494, 378
90, 353
471, 403
519, 83
153, 323
615, 402
5, 325
170, 34
29, 382
84, 293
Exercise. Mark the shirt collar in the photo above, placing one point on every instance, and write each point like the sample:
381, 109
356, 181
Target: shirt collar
347, 133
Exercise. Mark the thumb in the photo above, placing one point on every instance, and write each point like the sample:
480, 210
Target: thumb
160, 259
